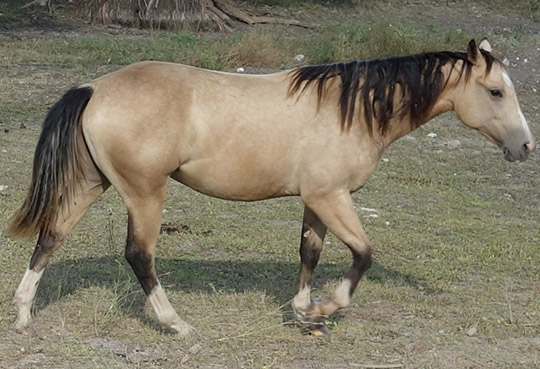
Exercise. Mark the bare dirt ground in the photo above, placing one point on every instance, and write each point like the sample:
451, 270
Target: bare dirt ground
421, 337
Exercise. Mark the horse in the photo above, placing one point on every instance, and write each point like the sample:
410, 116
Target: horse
316, 132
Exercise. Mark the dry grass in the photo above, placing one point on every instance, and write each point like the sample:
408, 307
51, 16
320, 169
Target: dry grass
257, 50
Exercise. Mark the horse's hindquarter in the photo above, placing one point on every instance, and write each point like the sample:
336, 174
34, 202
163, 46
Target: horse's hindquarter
227, 135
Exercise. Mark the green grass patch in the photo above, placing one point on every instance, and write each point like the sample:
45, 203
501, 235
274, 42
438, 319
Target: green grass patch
255, 49
367, 41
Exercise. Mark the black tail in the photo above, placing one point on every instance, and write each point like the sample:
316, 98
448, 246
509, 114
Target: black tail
56, 165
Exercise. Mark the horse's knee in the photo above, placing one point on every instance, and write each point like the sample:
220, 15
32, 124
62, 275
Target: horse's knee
362, 261
139, 259
132, 253
142, 263
366, 258
362, 257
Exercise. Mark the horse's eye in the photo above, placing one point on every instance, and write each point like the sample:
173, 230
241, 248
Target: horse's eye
495, 93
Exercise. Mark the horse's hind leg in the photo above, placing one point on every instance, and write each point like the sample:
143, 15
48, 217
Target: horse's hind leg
144, 222
313, 232
86, 193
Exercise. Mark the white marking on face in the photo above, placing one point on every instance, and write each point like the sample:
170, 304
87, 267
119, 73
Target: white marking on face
507, 80
302, 300
525, 126
342, 294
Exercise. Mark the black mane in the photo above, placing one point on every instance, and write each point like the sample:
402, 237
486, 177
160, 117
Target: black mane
374, 82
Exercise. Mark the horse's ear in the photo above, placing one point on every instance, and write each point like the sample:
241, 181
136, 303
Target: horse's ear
485, 45
473, 53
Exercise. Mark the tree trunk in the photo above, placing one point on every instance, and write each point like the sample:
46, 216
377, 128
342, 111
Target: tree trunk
172, 14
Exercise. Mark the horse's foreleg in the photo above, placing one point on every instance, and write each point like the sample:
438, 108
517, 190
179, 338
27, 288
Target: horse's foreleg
313, 232
336, 211
144, 221
47, 243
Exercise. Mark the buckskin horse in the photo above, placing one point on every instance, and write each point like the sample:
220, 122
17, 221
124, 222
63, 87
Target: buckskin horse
316, 132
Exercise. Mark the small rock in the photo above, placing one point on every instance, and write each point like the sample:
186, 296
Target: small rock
385, 160
133, 354
116, 347
185, 359
240, 70
195, 349
471, 331
432, 135
3, 187
369, 210
138, 355
408, 138
453, 144
299, 58
32, 359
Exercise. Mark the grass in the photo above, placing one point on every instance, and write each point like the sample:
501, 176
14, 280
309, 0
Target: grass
456, 236
527, 8
253, 49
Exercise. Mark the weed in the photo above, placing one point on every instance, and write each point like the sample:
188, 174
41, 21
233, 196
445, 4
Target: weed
255, 49
366, 41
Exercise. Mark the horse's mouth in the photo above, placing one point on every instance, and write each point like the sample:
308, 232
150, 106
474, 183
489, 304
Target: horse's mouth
521, 156
508, 155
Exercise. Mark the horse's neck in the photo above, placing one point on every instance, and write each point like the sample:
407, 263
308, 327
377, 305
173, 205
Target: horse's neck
402, 127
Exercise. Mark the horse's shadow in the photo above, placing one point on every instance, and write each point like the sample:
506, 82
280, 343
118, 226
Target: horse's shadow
275, 278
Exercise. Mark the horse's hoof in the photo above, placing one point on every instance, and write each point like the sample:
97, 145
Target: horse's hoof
21, 329
21, 326
182, 328
319, 330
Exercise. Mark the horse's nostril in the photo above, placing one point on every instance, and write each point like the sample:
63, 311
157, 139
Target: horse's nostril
530, 146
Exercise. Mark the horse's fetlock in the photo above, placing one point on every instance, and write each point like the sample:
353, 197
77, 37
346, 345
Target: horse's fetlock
321, 309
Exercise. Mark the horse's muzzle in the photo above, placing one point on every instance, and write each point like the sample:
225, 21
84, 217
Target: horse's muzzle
520, 155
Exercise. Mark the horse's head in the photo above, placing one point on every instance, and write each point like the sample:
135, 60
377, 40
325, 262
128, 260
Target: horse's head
488, 103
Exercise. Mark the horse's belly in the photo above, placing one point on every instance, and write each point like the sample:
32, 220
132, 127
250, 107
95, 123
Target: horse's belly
234, 181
